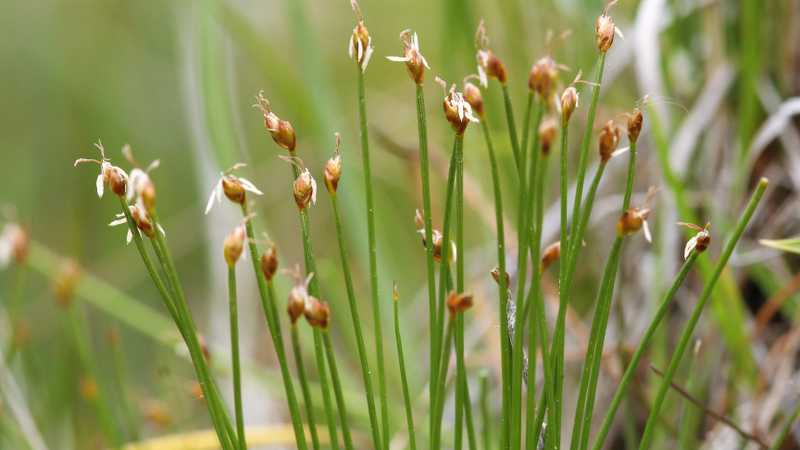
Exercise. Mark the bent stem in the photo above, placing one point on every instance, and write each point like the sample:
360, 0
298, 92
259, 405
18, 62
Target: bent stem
686, 335
412, 440
373, 256
297, 349
235, 362
354, 315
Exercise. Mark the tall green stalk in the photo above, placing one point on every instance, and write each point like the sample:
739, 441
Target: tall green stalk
688, 329
519, 157
486, 421
587, 135
235, 361
460, 375
502, 283
373, 258
422, 128
412, 439
267, 296
354, 314
337, 390
297, 349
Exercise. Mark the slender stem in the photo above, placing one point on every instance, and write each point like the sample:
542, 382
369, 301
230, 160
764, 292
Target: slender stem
422, 129
297, 349
441, 378
512, 133
460, 375
526, 129
464, 387
326, 391
337, 390
235, 361
267, 296
486, 424
505, 344
527, 197
412, 440
198, 362
354, 314
587, 135
786, 429
373, 258
688, 330
120, 379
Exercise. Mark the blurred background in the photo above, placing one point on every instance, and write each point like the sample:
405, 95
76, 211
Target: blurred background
176, 80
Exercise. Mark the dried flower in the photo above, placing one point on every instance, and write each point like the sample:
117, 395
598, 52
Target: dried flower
699, 242
489, 65
304, 189
157, 414
333, 168
282, 131
635, 120
496, 275
415, 62
88, 388
438, 242
633, 220
605, 30
458, 302
65, 282
550, 255
142, 221
233, 246
360, 44
269, 262
456, 109
140, 187
233, 187
110, 175
14, 243
608, 141
543, 77
317, 312
298, 295
569, 101
547, 134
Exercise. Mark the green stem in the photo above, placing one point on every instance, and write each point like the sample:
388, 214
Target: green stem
460, 376
686, 335
337, 389
373, 256
267, 296
412, 440
441, 378
354, 314
486, 424
587, 136
327, 403
505, 345
422, 129
786, 429
512, 133
526, 129
297, 349
235, 360
120, 379
463, 386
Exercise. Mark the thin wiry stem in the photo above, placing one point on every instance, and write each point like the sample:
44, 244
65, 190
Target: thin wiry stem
464, 387
644, 343
337, 390
688, 330
297, 349
235, 362
422, 128
354, 314
441, 377
412, 439
373, 256
486, 425
267, 296
505, 344
460, 375
512, 133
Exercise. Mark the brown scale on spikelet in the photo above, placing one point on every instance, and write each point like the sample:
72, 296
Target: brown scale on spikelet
457, 110
496, 275
233, 246
605, 29
489, 65
635, 122
473, 96
269, 262
700, 241
547, 134
333, 168
282, 131
412, 57
65, 282
317, 312
608, 141
458, 302
550, 255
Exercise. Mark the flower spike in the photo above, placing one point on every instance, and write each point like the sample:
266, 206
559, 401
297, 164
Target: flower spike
235, 188
699, 242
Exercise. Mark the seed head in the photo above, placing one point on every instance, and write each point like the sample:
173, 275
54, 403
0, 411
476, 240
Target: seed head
148, 196
415, 62
235, 188
496, 276
140, 187
142, 221
635, 120
543, 77
297, 302
438, 243
282, 131
608, 141
360, 45
569, 101
699, 242
110, 175
333, 168
233, 246
605, 29
550, 255
547, 134
269, 262
317, 312
489, 65
457, 110
633, 220
14, 244
304, 189
473, 96
65, 282
458, 302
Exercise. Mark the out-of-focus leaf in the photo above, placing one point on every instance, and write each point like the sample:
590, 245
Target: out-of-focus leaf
791, 245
